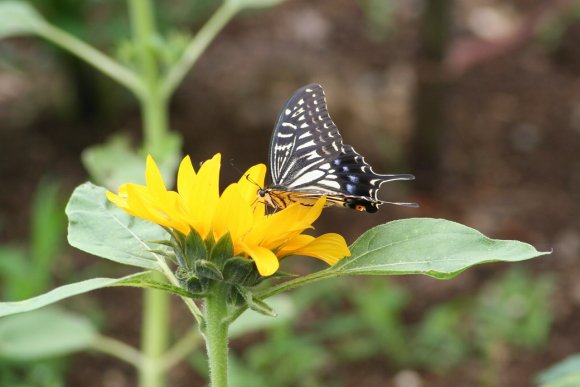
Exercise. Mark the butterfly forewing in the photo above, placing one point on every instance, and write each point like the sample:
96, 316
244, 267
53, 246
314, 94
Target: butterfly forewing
308, 158
304, 137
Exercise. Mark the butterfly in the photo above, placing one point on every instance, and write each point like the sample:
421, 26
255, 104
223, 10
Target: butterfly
308, 160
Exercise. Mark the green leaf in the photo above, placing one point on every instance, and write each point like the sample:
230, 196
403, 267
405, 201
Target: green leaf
144, 279
103, 161
563, 374
147, 279
18, 18
101, 228
435, 247
44, 333
66, 291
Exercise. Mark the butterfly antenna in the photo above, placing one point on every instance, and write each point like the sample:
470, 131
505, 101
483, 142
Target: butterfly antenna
253, 182
234, 166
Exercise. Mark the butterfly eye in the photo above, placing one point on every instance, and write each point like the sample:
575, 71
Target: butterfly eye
359, 207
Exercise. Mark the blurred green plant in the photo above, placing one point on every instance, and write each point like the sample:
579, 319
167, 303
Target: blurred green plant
369, 323
380, 17
553, 29
26, 269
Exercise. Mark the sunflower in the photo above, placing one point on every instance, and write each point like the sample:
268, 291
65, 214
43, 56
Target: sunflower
197, 205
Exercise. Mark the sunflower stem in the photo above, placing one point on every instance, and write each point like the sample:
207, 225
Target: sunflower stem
215, 331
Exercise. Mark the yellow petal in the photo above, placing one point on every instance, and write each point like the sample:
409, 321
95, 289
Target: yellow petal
330, 248
286, 224
233, 215
119, 200
314, 211
251, 182
153, 177
185, 180
163, 212
294, 244
266, 261
205, 195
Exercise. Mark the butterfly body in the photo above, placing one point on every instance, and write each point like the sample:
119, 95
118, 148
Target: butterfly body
308, 160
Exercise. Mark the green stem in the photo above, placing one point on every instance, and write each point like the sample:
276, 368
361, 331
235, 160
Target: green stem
154, 337
118, 349
154, 104
215, 332
92, 56
197, 46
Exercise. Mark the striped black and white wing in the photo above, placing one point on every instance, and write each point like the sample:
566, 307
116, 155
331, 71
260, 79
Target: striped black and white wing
307, 155
304, 138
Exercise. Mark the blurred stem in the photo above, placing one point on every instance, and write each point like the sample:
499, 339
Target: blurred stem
92, 56
215, 330
118, 349
197, 46
153, 103
181, 349
430, 114
155, 329
154, 336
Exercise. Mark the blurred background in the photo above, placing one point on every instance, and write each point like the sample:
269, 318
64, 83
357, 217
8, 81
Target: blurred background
479, 99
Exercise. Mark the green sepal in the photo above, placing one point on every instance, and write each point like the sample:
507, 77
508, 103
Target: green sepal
255, 304
222, 250
207, 269
241, 271
164, 242
194, 247
209, 241
180, 257
195, 285
177, 238
189, 281
163, 253
234, 297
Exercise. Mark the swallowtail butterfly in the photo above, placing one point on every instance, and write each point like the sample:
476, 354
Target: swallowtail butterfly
308, 160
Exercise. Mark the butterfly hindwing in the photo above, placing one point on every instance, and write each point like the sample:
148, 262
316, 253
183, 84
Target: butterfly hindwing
308, 159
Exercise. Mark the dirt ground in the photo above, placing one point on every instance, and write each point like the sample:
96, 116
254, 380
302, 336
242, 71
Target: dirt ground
510, 157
